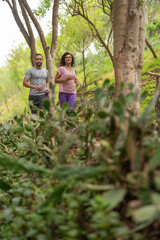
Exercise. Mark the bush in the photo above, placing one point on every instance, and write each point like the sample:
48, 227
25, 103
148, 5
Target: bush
101, 182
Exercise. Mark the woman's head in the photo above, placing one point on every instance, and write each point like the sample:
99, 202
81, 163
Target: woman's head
67, 56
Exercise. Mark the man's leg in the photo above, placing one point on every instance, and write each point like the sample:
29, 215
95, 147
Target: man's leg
41, 99
33, 100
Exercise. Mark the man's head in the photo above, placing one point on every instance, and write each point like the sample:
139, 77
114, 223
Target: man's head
38, 59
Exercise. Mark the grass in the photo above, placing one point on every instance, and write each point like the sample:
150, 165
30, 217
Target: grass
151, 63
148, 83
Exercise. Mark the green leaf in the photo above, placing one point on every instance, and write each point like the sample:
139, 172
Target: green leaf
41, 114
155, 160
46, 104
114, 197
148, 111
106, 83
144, 95
77, 172
111, 89
141, 226
66, 146
145, 213
35, 117
145, 195
71, 113
130, 98
156, 199
80, 108
121, 86
131, 86
118, 108
15, 164
102, 114
65, 106
99, 187
100, 97
55, 196
157, 180
89, 113
4, 186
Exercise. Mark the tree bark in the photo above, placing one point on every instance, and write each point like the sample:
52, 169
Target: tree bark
32, 43
36, 24
55, 19
13, 8
84, 70
129, 42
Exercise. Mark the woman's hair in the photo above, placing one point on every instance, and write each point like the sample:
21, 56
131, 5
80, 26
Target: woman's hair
62, 61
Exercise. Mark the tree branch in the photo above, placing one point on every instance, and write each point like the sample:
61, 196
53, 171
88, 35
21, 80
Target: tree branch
151, 48
36, 24
13, 8
78, 9
31, 35
55, 19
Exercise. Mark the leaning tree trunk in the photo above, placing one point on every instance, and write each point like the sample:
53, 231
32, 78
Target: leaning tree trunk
129, 42
151, 48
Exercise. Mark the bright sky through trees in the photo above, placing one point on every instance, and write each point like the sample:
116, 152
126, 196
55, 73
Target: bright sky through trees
10, 33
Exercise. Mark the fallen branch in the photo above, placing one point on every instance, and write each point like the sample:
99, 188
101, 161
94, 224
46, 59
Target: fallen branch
153, 74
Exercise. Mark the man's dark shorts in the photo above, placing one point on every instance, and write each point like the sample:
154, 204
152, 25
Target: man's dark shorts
37, 101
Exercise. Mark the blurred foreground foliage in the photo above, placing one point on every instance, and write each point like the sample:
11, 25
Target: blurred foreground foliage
101, 181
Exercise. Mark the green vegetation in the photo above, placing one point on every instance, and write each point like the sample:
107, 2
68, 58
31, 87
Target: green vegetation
101, 182
90, 185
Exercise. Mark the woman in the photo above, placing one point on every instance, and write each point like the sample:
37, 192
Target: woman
66, 77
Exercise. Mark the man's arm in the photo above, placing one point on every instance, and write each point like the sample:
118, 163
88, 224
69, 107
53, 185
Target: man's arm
28, 85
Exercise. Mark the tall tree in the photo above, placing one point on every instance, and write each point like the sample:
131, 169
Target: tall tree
129, 42
24, 18
128, 17
152, 10
92, 13
78, 34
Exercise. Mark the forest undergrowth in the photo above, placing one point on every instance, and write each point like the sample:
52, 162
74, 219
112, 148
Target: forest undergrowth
100, 182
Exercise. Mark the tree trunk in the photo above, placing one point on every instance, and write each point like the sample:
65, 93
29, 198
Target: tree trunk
151, 48
49, 66
129, 42
32, 43
84, 72
6, 102
84, 67
28, 35
55, 19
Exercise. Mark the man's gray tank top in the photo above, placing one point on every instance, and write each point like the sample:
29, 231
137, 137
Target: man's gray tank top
37, 77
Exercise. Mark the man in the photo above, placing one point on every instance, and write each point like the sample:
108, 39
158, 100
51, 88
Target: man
36, 78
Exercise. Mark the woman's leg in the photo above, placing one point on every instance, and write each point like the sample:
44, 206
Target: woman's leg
62, 98
71, 100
